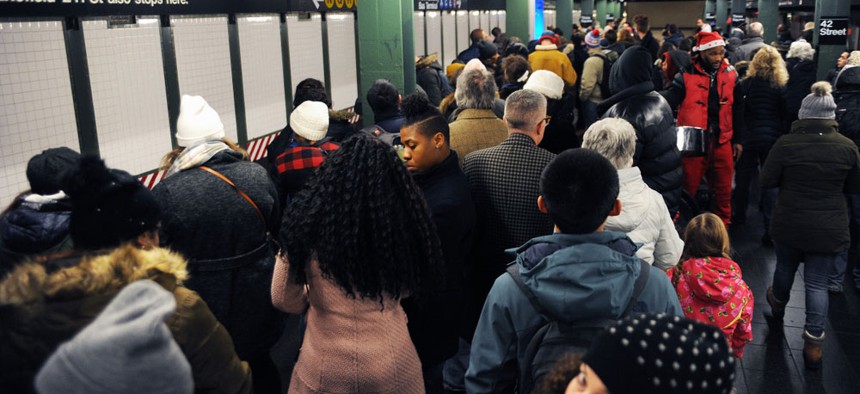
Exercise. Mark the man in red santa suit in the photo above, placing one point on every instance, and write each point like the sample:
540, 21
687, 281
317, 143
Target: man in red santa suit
710, 97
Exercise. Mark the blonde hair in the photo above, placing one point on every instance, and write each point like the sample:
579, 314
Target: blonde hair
706, 236
768, 64
171, 156
854, 58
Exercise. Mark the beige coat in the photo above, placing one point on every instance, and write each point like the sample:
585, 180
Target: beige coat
476, 129
351, 345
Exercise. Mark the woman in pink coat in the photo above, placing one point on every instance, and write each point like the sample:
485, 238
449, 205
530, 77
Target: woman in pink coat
356, 240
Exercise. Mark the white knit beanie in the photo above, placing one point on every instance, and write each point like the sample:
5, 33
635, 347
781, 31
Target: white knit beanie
197, 122
310, 120
546, 83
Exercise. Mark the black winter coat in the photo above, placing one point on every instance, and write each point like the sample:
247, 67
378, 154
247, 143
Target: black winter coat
429, 78
560, 133
813, 167
636, 101
31, 227
435, 325
230, 260
764, 113
801, 76
847, 96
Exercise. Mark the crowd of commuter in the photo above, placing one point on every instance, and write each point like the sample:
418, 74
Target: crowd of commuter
524, 222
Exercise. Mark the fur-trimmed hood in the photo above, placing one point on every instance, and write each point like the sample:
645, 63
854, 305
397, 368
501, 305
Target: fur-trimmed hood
428, 61
95, 274
340, 115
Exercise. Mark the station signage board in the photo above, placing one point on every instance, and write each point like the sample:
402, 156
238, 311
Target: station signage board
832, 30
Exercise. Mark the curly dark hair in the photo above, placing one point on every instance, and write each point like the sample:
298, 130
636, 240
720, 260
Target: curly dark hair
365, 221
310, 90
420, 112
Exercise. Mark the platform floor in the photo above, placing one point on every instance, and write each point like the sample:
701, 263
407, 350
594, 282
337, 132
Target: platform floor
773, 361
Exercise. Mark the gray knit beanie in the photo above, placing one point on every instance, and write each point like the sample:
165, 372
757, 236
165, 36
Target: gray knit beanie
819, 104
126, 349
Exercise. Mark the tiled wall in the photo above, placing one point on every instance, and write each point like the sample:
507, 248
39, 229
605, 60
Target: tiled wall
462, 31
485, 22
262, 74
305, 38
474, 20
127, 80
549, 18
449, 38
418, 32
434, 33
203, 61
36, 108
341, 49
503, 21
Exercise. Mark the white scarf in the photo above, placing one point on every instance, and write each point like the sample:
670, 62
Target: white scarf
195, 155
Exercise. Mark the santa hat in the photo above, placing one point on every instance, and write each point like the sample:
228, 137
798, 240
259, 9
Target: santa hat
708, 40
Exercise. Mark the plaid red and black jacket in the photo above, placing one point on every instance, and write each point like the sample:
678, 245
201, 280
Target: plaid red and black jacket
298, 163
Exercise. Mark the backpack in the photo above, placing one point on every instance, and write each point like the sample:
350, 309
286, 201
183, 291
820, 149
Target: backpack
555, 339
609, 58
377, 131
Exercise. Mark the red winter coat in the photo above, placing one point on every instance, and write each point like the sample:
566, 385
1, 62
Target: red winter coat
711, 291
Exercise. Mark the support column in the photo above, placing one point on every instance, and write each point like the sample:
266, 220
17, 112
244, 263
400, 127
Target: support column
710, 7
768, 15
564, 16
601, 12
722, 15
827, 11
616, 9
739, 8
519, 18
385, 47
587, 7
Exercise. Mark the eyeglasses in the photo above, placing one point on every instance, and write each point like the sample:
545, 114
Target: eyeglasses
547, 119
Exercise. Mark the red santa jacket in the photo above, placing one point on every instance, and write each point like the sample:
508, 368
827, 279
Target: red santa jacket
694, 109
712, 291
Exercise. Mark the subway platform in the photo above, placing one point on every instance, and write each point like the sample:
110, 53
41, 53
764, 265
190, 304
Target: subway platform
773, 361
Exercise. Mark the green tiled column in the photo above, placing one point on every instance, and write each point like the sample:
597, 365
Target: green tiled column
385, 47
519, 19
564, 16
601, 12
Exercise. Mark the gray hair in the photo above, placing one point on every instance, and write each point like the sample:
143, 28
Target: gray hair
800, 49
476, 89
614, 139
755, 29
524, 109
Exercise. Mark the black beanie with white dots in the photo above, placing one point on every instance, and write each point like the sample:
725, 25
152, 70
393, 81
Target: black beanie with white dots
662, 354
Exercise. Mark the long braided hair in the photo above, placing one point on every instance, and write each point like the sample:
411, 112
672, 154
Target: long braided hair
366, 223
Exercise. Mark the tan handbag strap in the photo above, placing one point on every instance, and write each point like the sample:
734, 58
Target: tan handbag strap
243, 194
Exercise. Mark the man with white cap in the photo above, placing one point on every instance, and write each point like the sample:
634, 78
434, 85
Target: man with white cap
708, 96
560, 134
308, 148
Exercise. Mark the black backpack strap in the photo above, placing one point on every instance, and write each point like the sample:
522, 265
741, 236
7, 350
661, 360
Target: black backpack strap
514, 270
638, 286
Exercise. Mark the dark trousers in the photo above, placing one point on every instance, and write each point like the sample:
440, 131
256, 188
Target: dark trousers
746, 168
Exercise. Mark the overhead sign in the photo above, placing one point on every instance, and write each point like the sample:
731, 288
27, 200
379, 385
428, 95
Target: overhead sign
439, 4
585, 21
738, 20
832, 30
610, 18
31, 8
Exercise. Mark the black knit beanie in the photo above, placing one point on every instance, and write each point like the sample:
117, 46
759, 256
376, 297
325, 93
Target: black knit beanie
47, 170
662, 354
109, 207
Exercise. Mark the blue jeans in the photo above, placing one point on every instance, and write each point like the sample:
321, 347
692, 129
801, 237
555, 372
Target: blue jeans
816, 268
837, 276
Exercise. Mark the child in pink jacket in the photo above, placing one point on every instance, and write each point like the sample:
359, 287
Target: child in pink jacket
709, 284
